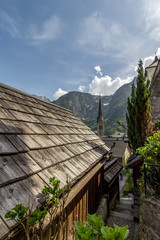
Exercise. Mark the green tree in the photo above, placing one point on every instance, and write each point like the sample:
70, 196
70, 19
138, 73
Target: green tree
139, 120
130, 116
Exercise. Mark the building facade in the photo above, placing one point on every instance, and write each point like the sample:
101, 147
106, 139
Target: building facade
153, 71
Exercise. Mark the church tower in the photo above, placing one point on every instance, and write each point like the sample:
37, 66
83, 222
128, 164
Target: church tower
100, 121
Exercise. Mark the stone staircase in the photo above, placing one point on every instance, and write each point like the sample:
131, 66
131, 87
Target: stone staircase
124, 215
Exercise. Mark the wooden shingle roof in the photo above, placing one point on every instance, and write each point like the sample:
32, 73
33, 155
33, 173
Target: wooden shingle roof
111, 170
39, 140
118, 147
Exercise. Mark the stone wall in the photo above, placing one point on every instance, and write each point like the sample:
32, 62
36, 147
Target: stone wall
150, 220
155, 99
103, 210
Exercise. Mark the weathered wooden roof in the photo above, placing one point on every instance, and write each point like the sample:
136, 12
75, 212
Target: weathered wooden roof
39, 140
134, 160
119, 147
111, 170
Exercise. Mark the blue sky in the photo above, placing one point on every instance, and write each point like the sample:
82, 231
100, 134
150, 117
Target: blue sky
51, 47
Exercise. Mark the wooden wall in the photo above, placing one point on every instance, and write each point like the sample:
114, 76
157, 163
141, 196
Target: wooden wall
86, 201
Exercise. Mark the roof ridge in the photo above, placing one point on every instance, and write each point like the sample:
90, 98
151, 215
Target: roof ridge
34, 97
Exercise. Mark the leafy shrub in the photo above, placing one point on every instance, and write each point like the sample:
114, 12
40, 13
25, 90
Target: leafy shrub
151, 150
150, 153
94, 229
128, 187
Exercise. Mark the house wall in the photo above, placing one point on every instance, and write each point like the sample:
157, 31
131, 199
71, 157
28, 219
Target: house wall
86, 201
126, 155
155, 99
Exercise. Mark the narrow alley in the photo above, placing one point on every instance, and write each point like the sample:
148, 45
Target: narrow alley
123, 215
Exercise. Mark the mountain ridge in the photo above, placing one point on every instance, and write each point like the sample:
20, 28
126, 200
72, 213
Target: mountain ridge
85, 106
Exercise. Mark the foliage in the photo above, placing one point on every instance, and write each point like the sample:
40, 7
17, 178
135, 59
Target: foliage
130, 117
128, 187
29, 219
94, 229
116, 233
37, 216
53, 191
139, 110
18, 212
150, 152
26, 218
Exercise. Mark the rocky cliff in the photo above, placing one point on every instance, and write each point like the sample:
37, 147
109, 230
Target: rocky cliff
84, 105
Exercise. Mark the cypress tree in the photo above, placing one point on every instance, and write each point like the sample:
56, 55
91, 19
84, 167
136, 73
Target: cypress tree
130, 116
139, 110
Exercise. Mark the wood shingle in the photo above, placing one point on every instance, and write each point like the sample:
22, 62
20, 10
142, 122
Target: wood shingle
39, 140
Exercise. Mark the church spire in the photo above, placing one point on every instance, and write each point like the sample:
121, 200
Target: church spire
100, 120
100, 114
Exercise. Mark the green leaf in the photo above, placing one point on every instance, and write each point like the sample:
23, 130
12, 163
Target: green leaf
11, 215
37, 216
19, 212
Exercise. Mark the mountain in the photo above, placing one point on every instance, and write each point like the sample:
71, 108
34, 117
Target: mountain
42, 98
117, 109
84, 105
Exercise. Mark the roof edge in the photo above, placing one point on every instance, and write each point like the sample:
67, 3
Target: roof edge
34, 97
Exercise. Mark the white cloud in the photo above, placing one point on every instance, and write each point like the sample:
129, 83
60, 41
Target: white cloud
8, 24
98, 69
148, 60
101, 36
59, 93
158, 52
48, 31
81, 88
97, 31
106, 86
152, 18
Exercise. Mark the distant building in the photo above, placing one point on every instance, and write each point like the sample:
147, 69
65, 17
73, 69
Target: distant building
153, 71
119, 148
100, 121
151, 68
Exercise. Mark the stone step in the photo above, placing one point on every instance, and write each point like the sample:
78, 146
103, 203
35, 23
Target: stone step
124, 211
124, 206
124, 202
126, 198
121, 215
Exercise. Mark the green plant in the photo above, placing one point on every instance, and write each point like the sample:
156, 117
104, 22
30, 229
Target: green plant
26, 218
116, 233
94, 229
128, 187
53, 194
32, 221
151, 150
151, 155
139, 111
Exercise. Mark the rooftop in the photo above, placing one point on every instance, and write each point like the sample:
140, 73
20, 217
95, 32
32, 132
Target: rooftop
119, 147
39, 140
